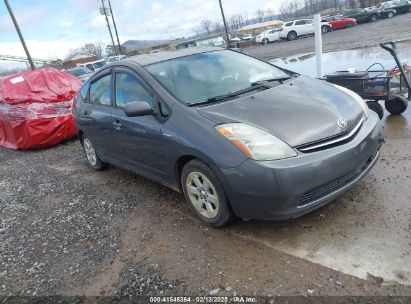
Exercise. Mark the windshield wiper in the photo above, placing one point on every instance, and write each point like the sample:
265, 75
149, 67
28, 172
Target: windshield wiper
259, 82
236, 93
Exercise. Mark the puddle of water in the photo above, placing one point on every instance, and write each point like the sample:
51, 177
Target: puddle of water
342, 60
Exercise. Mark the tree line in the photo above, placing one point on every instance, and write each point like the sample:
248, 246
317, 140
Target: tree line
288, 9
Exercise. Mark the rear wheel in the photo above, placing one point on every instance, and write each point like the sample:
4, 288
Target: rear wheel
397, 105
374, 18
376, 107
93, 159
205, 194
292, 36
390, 15
265, 41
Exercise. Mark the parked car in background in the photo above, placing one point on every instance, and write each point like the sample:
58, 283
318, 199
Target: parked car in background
362, 15
400, 6
293, 29
268, 36
339, 22
235, 39
247, 37
236, 135
386, 13
115, 58
94, 65
82, 73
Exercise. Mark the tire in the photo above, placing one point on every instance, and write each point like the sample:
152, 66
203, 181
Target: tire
374, 18
205, 194
397, 105
390, 15
350, 24
265, 41
92, 157
292, 35
324, 29
377, 108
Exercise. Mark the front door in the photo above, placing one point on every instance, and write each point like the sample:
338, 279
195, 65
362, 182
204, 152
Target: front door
138, 140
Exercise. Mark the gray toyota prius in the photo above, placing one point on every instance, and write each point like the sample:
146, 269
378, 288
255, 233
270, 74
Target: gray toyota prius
238, 136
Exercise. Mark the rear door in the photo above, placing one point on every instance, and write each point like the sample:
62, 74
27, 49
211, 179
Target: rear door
137, 140
300, 27
95, 114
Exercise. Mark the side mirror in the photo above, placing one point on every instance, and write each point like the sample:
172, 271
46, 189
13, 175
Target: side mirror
138, 108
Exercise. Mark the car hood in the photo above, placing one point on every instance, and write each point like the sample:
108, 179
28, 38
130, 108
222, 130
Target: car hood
299, 111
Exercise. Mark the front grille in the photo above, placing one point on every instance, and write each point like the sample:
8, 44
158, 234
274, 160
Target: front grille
328, 188
334, 140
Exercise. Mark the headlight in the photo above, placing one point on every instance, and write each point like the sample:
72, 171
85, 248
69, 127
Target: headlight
255, 143
356, 97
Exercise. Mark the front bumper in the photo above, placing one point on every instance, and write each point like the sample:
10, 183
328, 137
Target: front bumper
288, 188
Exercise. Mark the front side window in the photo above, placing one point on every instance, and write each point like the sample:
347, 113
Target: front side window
100, 90
129, 89
197, 78
289, 24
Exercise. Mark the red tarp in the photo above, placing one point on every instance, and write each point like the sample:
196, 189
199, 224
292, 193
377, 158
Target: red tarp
35, 108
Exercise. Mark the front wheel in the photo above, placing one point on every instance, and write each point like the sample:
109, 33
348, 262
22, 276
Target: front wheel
292, 36
350, 24
265, 41
374, 18
397, 105
93, 159
390, 15
324, 29
205, 194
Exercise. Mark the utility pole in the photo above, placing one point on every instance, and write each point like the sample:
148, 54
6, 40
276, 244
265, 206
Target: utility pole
104, 11
225, 24
16, 25
115, 27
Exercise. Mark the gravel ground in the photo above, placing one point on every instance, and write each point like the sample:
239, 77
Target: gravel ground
368, 34
69, 230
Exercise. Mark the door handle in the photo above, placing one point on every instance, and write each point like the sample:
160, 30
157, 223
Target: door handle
117, 125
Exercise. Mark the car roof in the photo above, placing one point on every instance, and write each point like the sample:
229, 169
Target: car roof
147, 59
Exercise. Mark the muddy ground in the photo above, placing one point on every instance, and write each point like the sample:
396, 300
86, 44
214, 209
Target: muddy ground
68, 230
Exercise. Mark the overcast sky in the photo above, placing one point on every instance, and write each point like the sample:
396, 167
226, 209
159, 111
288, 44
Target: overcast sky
52, 27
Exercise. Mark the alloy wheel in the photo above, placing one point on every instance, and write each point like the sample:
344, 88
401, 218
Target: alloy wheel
202, 194
90, 152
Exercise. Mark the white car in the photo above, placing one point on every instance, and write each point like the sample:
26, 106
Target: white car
235, 39
268, 36
247, 37
94, 65
293, 29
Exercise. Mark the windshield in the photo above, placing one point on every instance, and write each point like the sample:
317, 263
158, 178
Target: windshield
197, 78
79, 71
99, 64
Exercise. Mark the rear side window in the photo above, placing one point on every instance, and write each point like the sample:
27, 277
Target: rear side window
300, 22
129, 89
100, 90
83, 93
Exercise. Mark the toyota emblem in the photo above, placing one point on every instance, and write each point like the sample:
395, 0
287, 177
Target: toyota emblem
342, 123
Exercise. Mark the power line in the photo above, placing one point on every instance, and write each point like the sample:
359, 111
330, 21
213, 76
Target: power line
16, 25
